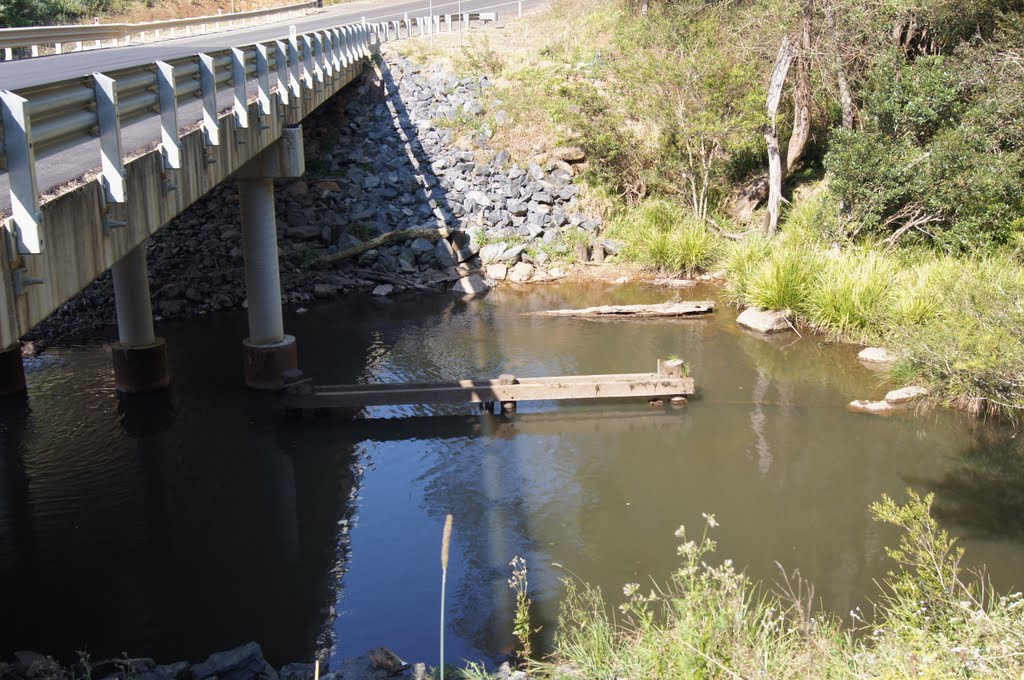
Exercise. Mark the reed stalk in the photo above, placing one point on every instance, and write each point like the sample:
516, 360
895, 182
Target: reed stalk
445, 544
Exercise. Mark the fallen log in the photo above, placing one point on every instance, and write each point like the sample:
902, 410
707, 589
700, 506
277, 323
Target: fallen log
387, 239
665, 309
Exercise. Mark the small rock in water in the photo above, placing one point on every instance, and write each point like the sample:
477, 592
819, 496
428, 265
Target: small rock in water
876, 355
383, 290
906, 395
876, 407
674, 283
765, 320
384, 659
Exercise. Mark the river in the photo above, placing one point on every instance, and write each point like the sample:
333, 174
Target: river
179, 524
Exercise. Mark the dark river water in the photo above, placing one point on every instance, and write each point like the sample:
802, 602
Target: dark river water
180, 524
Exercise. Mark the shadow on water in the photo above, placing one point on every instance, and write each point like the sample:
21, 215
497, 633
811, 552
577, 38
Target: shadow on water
984, 491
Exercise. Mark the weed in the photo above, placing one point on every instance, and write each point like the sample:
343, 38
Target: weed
521, 620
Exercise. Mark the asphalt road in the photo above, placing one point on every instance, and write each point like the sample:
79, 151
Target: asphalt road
64, 165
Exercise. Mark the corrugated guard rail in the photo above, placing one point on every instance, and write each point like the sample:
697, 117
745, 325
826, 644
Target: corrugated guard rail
93, 36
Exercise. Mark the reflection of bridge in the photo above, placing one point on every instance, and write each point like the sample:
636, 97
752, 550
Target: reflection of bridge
220, 113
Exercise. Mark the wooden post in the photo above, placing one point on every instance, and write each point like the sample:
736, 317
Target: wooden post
582, 252
597, 253
508, 407
671, 368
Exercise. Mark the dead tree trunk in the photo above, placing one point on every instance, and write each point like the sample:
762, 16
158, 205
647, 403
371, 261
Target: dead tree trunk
845, 94
802, 93
776, 167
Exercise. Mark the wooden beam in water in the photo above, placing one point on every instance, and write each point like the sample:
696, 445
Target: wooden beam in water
669, 381
665, 309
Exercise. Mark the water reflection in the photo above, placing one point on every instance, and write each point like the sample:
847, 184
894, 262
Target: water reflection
178, 524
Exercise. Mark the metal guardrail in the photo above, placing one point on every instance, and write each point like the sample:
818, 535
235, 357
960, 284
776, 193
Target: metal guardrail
44, 118
82, 36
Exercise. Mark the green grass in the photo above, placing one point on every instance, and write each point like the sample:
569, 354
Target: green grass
931, 619
852, 294
662, 235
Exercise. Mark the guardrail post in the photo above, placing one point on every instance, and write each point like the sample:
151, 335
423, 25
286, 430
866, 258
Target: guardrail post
293, 58
307, 61
335, 36
241, 106
263, 82
282, 71
408, 26
8, 54
339, 47
320, 67
520, 9
208, 86
112, 174
21, 172
350, 52
170, 146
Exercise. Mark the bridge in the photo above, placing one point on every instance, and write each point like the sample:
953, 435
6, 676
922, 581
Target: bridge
135, 132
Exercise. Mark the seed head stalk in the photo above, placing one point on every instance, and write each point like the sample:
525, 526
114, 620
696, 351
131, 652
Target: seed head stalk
445, 543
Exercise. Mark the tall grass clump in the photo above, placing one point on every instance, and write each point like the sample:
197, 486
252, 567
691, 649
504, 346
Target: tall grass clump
660, 234
852, 294
971, 349
783, 280
931, 619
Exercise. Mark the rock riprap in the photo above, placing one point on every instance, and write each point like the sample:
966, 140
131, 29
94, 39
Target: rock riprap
382, 156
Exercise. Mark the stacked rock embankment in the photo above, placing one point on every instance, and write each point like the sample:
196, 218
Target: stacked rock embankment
390, 153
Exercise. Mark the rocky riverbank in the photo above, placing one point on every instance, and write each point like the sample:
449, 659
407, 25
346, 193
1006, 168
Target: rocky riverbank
241, 663
383, 156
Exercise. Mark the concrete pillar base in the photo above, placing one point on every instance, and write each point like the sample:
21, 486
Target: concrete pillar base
12, 372
265, 364
141, 368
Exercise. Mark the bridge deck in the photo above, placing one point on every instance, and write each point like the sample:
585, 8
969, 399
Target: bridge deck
668, 381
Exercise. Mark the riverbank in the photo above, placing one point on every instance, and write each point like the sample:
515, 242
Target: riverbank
244, 662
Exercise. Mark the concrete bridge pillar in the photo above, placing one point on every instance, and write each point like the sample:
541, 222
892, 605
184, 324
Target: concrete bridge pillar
140, 358
268, 351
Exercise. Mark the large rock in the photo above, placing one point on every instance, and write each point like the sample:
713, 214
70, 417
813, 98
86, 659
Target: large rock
241, 663
521, 273
876, 355
473, 284
569, 154
492, 252
383, 290
765, 320
906, 395
498, 272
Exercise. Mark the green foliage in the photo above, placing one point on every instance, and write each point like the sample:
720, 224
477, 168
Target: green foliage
783, 280
710, 621
15, 13
972, 347
660, 234
852, 295
940, 158
521, 628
